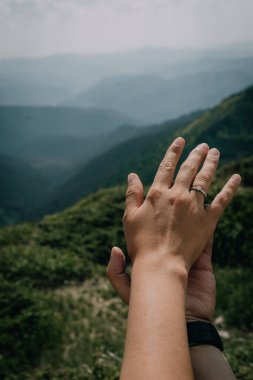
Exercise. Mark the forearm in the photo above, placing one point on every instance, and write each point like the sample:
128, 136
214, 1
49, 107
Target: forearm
156, 340
209, 363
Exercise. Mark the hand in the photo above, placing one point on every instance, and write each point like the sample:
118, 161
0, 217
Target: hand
201, 287
172, 215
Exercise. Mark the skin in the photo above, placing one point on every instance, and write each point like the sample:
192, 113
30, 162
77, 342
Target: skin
208, 362
165, 235
201, 286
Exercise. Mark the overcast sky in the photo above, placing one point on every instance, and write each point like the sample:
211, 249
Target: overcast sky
42, 27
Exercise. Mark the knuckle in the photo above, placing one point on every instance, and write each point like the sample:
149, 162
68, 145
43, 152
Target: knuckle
188, 167
197, 153
211, 160
177, 197
204, 176
222, 200
184, 199
230, 186
174, 149
131, 192
167, 165
154, 194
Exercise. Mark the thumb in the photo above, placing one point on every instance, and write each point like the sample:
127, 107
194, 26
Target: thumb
116, 272
209, 247
134, 193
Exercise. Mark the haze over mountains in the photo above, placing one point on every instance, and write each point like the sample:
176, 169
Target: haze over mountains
65, 121
227, 126
63, 78
153, 99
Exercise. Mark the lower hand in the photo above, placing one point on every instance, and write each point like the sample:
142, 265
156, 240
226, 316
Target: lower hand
201, 287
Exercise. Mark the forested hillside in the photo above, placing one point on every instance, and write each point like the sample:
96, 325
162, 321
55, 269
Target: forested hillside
228, 127
60, 318
41, 147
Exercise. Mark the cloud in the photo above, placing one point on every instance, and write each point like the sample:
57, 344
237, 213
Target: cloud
39, 27
39, 7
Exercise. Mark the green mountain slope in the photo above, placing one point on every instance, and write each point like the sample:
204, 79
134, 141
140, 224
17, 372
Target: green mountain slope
18, 181
48, 144
59, 316
228, 127
244, 167
140, 153
28, 179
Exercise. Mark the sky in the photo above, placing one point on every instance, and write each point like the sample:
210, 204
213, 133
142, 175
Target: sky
32, 28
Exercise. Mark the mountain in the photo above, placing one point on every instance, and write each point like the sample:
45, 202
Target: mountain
19, 125
60, 317
42, 164
60, 156
41, 147
154, 99
22, 188
23, 78
227, 126
243, 166
106, 160
55, 79
76, 72
29, 94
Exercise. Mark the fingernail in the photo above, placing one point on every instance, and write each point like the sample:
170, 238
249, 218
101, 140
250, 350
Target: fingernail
179, 141
236, 178
203, 147
131, 178
214, 152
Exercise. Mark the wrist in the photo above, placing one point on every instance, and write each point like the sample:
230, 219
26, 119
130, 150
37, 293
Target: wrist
192, 318
159, 264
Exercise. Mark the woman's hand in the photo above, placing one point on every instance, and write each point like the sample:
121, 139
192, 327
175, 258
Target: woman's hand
172, 225
165, 235
201, 287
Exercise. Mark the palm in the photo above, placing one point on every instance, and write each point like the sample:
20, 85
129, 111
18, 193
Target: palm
201, 288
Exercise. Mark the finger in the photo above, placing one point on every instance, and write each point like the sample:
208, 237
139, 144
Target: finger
164, 175
190, 166
134, 193
208, 250
225, 196
205, 176
203, 262
116, 272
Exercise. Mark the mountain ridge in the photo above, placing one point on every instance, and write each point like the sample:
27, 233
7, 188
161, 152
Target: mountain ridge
112, 167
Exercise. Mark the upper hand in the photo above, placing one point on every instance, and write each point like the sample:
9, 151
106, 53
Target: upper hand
171, 224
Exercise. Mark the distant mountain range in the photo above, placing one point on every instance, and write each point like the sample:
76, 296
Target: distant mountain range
71, 124
19, 125
154, 99
228, 127
40, 147
107, 159
56, 79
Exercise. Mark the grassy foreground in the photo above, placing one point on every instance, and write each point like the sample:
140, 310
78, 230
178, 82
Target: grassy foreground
60, 318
